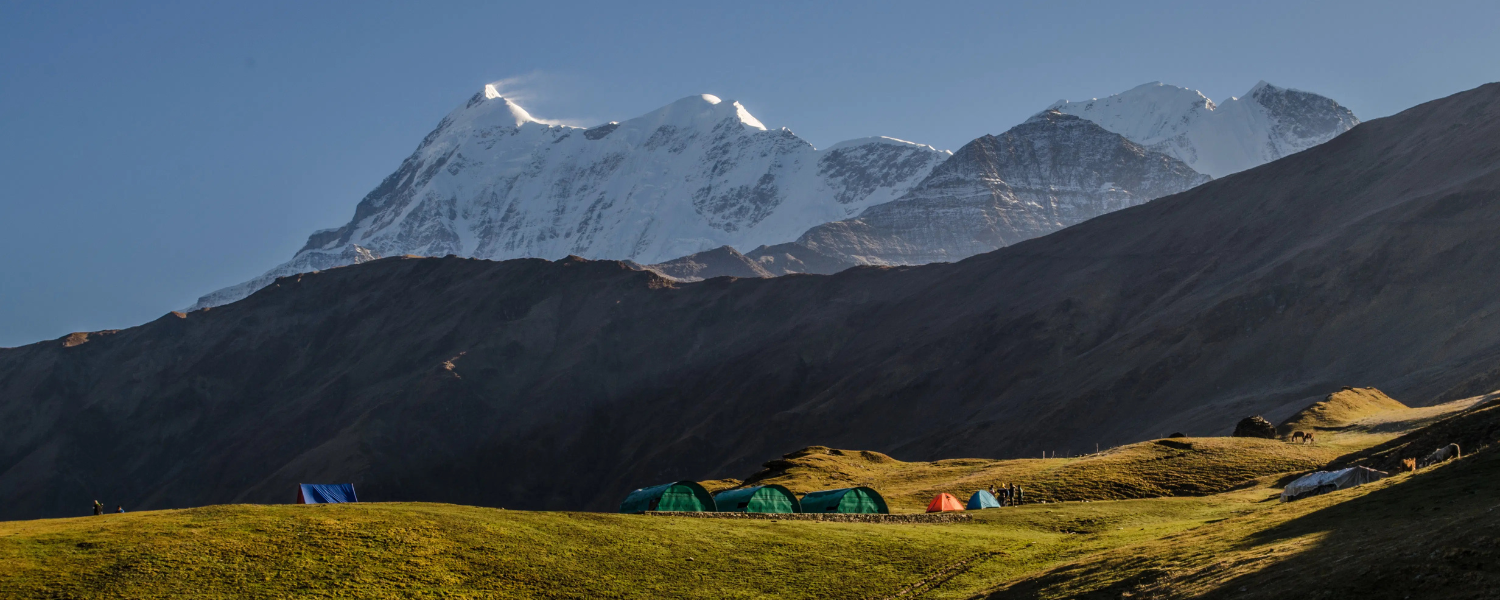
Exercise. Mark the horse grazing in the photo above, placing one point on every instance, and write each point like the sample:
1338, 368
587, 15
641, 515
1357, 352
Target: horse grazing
1409, 463
1297, 437
1441, 454
1308, 438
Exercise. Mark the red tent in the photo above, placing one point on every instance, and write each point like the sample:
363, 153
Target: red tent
944, 503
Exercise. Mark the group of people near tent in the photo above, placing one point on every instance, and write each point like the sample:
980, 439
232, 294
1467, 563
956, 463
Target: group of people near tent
688, 496
1008, 495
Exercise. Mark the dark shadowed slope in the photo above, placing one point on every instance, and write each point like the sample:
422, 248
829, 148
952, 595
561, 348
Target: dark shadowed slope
1370, 260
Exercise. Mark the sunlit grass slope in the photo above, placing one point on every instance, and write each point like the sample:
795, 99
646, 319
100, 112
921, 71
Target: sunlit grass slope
1430, 534
433, 550
1165, 518
1171, 467
1340, 409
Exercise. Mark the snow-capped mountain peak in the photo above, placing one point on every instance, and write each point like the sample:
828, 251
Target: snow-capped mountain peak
703, 112
1268, 122
489, 107
491, 181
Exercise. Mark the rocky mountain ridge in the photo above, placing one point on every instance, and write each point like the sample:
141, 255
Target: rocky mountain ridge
1051, 172
493, 182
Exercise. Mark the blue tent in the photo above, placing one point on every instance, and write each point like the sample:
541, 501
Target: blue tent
325, 493
982, 499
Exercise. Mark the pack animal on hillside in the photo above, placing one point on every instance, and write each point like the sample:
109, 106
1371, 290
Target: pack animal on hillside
1297, 437
1409, 463
1441, 454
1308, 438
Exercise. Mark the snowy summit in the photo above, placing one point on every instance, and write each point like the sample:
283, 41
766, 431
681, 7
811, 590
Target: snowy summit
1268, 123
493, 182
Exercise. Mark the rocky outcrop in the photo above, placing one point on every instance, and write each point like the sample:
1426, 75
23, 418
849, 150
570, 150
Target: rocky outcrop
1256, 427
719, 262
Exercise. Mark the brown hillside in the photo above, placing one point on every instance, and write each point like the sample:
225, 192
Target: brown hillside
1473, 430
1175, 467
1340, 409
1430, 534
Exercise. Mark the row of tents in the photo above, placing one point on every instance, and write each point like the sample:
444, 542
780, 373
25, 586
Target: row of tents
688, 496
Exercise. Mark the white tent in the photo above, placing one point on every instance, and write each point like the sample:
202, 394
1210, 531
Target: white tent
1323, 482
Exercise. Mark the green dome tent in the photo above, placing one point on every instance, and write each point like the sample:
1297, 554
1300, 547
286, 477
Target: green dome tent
681, 496
847, 500
759, 499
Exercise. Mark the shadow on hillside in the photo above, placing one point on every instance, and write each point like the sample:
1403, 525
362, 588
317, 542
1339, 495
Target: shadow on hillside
1433, 535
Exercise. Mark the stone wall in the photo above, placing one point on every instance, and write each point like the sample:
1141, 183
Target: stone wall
948, 517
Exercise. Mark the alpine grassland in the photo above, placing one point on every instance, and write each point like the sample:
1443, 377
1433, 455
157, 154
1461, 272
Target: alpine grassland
1180, 517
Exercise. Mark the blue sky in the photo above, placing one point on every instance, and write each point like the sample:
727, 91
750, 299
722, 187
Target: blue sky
150, 153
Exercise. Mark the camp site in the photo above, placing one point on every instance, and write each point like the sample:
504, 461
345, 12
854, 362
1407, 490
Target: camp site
827, 522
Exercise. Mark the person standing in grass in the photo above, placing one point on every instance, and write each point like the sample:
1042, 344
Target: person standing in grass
1015, 492
98, 508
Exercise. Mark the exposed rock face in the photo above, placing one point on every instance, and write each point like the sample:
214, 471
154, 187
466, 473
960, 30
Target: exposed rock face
719, 262
493, 182
794, 257
1051, 172
1218, 139
1368, 259
1256, 427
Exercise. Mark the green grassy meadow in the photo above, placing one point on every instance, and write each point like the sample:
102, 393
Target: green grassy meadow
375, 550
1196, 517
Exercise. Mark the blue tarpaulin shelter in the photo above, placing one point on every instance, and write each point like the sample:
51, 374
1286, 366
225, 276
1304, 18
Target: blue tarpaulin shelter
325, 493
982, 499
